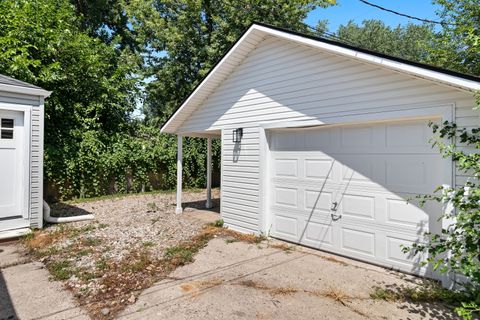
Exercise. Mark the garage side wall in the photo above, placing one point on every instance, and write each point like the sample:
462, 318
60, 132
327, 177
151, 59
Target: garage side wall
282, 81
240, 202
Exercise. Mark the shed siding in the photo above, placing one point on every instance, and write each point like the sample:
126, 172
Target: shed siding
36, 167
36, 151
284, 81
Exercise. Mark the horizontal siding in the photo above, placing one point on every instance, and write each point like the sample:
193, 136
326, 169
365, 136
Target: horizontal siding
36, 168
240, 182
280, 81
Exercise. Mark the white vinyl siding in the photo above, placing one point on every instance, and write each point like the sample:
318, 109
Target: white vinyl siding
36, 168
285, 81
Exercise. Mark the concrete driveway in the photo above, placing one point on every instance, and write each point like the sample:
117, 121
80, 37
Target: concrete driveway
26, 292
236, 280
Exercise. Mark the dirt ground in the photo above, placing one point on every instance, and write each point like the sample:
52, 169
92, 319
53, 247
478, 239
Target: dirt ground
236, 280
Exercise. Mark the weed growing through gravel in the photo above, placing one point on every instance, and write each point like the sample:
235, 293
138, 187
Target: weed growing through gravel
60, 270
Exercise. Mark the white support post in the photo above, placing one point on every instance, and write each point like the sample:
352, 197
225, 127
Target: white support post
179, 174
208, 204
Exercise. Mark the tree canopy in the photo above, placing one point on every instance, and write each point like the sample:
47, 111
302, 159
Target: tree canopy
409, 42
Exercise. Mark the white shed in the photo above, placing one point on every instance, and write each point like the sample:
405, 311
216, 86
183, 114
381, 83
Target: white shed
21, 156
324, 143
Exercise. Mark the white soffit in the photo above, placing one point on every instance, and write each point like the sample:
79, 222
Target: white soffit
256, 33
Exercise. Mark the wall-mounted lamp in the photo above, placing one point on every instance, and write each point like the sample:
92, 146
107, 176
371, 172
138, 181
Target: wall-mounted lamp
237, 135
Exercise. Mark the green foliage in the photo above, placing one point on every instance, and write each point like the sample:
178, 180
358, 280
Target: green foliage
457, 248
94, 55
426, 292
218, 223
458, 44
189, 37
407, 42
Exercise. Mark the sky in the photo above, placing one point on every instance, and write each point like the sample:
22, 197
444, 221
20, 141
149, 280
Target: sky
346, 10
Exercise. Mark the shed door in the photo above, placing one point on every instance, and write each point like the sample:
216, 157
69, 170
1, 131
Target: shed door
12, 165
344, 189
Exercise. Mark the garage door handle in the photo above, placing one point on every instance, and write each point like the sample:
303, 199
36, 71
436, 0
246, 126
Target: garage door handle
335, 217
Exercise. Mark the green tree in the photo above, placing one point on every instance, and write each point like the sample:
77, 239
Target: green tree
107, 20
408, 42
457, 46
185, 38
93, 86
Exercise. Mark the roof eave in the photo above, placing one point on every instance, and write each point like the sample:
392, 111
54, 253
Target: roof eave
25, 90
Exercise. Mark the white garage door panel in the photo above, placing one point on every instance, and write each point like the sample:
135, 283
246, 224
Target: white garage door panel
367, 173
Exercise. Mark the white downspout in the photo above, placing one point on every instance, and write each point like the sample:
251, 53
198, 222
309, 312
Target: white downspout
49, 219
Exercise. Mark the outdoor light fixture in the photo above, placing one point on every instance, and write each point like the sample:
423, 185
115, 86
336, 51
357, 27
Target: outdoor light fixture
237, 135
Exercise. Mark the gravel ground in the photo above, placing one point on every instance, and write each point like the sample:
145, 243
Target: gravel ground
135, 222
108, 261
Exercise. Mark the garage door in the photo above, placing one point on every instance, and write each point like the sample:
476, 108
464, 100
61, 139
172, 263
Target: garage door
344, 189
12, 168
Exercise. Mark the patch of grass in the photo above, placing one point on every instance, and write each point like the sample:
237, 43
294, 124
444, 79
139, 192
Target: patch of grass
385, 294
218, 223
231, 240
83, 252
428, 292
91, 242
155, 220
102, 225
75, 232
148, 244
152, 206
60, 270
137, 262
180, 254
102, 265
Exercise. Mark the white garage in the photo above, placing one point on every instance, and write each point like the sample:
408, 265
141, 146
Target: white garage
325, 144
21, 156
